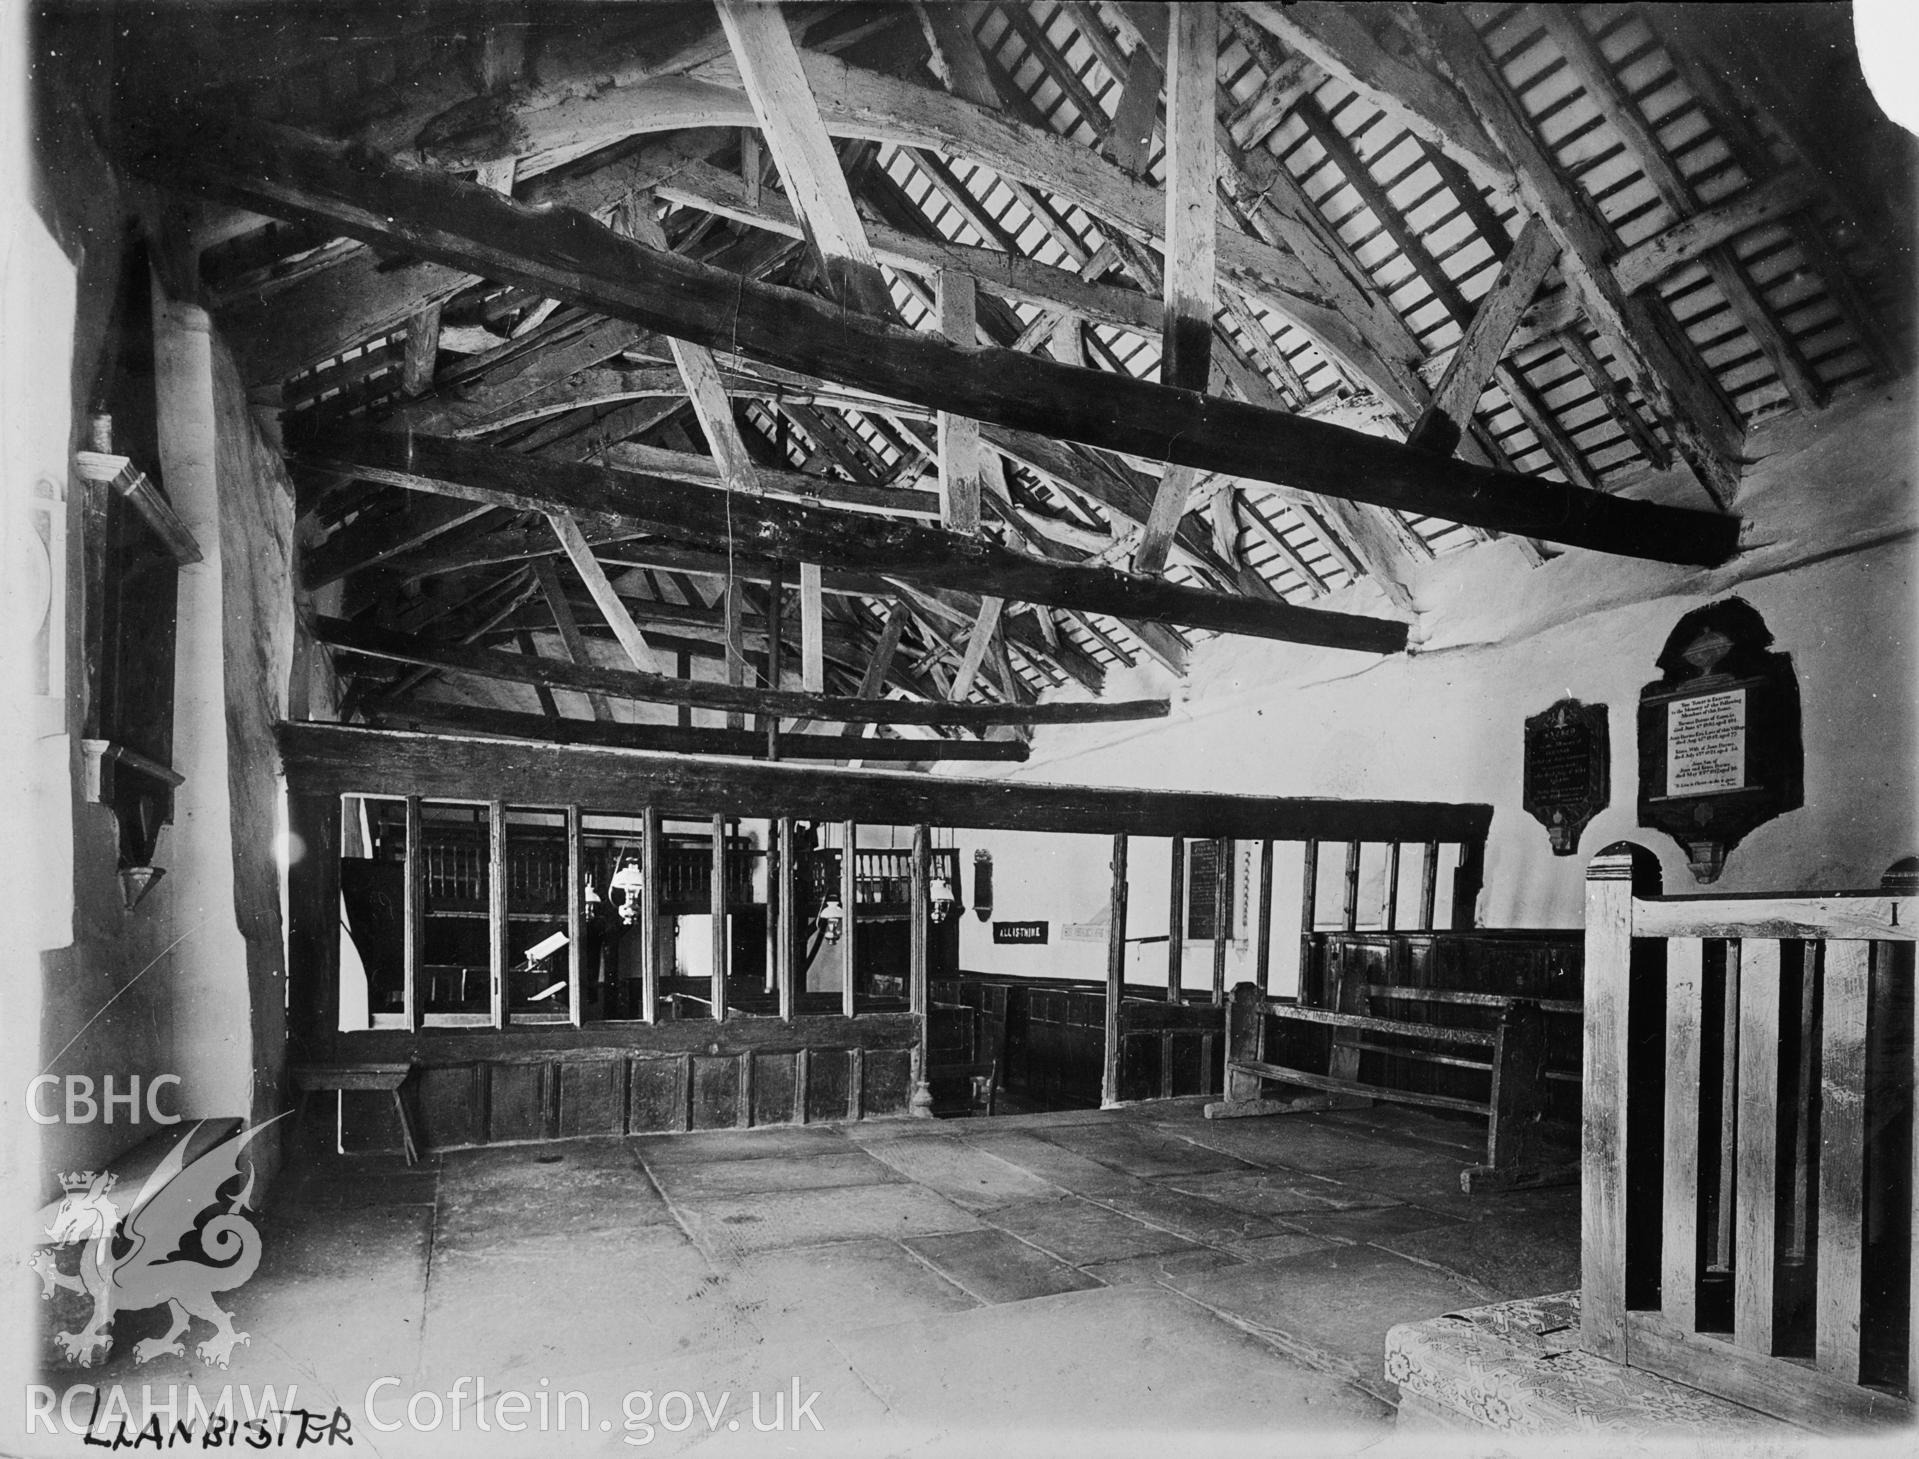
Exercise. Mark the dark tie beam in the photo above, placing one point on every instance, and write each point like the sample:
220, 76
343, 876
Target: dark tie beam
710, 516
563, 254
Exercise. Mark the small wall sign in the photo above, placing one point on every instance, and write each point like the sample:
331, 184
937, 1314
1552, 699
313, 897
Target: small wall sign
1568, 770
1719, 738
1027, 932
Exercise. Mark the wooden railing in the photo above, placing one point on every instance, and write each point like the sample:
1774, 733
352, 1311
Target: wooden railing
1748, 1144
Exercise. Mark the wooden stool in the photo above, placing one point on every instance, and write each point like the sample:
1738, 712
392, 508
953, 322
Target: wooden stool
339, 1078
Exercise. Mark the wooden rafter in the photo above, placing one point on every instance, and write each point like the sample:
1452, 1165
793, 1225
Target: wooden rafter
456, 220
794, 134
1595, 75
1640, 333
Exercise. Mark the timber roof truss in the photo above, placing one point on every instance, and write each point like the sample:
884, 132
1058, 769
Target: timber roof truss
1585, 244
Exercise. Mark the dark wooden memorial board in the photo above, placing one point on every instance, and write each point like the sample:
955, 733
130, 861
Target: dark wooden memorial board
1719, 737
1568, 770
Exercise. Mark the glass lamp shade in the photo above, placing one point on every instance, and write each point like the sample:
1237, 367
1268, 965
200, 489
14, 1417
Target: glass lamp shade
832, 919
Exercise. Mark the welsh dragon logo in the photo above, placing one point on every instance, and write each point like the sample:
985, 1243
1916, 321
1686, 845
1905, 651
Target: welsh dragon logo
177, 1242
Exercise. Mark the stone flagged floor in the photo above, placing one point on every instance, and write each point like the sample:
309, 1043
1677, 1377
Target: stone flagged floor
1132, 1281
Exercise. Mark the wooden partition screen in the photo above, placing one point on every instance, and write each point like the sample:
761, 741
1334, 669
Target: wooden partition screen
1747, 1151
753, 1050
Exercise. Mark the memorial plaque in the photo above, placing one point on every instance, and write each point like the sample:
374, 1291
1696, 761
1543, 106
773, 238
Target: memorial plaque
1719, 738
1568, 770
1706, 743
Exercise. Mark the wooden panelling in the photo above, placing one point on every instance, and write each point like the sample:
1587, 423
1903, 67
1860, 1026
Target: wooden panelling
517, 1101
888, 1082
716, 1093
828, 1078
656, 1095
1050, 1037
592, 1097
1189, 1064
446, 1105
773, 1084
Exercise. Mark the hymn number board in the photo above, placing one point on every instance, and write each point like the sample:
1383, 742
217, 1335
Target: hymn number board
1719, 741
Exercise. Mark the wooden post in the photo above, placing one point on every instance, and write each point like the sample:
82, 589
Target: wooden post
496, 911
413, 970
733, 633
1222, 933
1263, 931
784, 968
575, 920
313, 921
1389, 901
1349, 903
1308, 915
922, 1105
718, 900
1176, 921
1518, 1095
849, 837
1602, 1234
1115, 975
1428, 884
1245, 1042
775, 594
812, 630
958, 436
649, 924
1912, 1200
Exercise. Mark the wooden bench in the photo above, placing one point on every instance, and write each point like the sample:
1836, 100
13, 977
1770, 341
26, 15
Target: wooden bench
310, 1079
1508, 1044
962, 1060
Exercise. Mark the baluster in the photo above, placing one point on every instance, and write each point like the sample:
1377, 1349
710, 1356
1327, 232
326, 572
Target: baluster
1679, 1249
1728, 1116
1842, 1156
1758, 1146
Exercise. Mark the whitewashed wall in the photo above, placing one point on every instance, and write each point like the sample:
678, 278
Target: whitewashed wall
1827, 559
